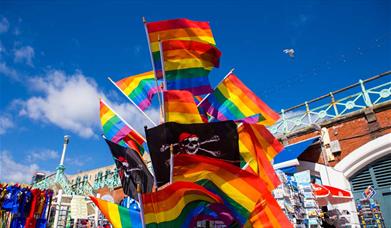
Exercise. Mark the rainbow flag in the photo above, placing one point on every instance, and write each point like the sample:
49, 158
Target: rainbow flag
187, 65
118, 131
241, 190
139, 88
176, 29
119, 217
179, 106
257, 147
176, 204
232, 100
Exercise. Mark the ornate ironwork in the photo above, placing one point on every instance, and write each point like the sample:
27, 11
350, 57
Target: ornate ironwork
352, 98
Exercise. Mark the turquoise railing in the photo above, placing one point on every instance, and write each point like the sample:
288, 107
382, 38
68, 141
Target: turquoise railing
363, 94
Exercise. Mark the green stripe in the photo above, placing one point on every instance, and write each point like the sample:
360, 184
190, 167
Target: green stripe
186, 73
111, 122
234, 110
182, 216
124, 216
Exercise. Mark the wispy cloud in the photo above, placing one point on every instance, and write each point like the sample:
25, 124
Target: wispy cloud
13, 171
7, 71
24, 54
5, 124
4, 25
42, 155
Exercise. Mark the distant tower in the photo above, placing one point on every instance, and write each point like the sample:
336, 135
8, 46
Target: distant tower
61, 167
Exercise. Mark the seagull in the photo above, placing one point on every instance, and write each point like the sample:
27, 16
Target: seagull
290, 52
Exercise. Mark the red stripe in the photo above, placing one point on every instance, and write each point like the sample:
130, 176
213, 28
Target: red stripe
176, 24
178, 96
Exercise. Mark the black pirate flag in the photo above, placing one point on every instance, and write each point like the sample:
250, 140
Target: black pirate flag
218, 140
131, 169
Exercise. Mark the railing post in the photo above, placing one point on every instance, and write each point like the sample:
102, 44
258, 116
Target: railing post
284, 124
366, 97
333, 104
307, 111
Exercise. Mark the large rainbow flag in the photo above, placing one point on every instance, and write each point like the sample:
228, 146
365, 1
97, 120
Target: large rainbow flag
176, 204
241, 189
180, 107
232, 100
175, 29
117, 130
139, 88
119, 217
187, 65
257, 146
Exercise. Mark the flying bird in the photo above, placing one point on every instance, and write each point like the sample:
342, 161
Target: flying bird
290, 52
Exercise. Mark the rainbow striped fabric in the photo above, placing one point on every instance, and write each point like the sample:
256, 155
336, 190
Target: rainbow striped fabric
119, 217
117, 130
187, 65
176, 204
139, 88
257, 147
176, 29
232, 100
180, 107
240, 190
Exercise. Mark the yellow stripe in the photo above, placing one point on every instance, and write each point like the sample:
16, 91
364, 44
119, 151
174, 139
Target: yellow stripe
107, 116
225, 186
178, 64
115, 219
207, 39
132, 82
236, 100
173, 213
183, 117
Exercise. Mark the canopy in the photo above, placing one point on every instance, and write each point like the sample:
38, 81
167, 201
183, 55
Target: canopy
293, 151
325, 194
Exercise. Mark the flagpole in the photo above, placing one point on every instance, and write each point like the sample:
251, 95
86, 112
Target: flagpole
164, 77
140, 200
150, 120
230, 72
171, 163
153, 65
123, 120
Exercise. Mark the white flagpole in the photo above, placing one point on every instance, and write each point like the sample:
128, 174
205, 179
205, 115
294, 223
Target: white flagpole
140, 201
150, 120
153, 67
230, 72
123, 120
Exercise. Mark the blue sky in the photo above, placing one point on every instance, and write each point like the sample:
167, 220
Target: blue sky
55, 57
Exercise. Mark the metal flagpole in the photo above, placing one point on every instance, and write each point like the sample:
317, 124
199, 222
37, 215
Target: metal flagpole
140, 201
230, 72
150, 120
153, 67
171, 163
164, 77
123, 120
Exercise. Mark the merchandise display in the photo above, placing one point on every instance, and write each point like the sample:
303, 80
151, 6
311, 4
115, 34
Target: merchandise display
370, 214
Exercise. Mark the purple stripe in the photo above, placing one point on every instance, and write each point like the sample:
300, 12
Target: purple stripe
121, 134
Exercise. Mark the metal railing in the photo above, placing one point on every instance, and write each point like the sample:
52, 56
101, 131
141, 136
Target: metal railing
334, 104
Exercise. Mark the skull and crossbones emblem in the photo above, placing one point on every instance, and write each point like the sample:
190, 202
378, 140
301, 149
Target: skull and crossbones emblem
190, 144
125, 169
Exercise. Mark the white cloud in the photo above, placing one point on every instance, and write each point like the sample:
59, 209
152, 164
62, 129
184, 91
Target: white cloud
12, 171
24, 54
70, 102
5, 124
41, 155
4, 25
7, 71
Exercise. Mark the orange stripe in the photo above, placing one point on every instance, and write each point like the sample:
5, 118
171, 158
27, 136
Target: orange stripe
179, 33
